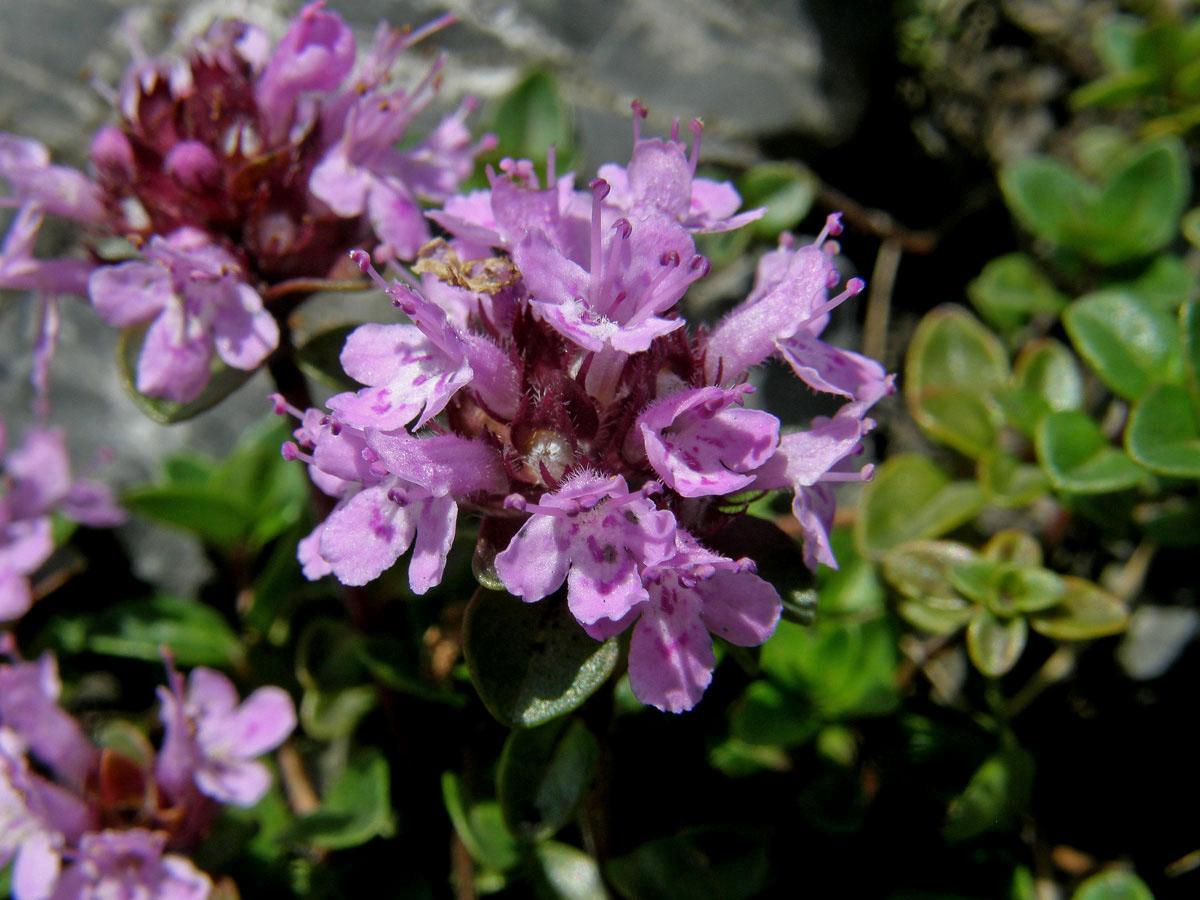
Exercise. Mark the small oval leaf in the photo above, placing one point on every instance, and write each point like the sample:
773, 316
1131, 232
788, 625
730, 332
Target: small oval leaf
1129, 343
1078, 459
531, 662
1164, 432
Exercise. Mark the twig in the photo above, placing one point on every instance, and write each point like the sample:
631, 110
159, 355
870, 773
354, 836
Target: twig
879, 297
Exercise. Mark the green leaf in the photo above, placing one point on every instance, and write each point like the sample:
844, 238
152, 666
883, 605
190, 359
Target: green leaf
1190, 226
953, 367
920, 570
1086, 612
1117, 89
357, 808
699, 864
994, 799
1129, 343
911, 498
1100, 151
1189, 327
542, 775
221, 383
531, 662
1164, 432
1010, 483
207, 512
570, 873
1045, 378
1078, 459
786, 189
951, 349
1011, 289
1113, 885
1015, 547
995, 644
842, 669
769, 716
1026, 590
1047, 197
196, 633
1138, 212
335, 713
480, 826
533, 117
1166, 283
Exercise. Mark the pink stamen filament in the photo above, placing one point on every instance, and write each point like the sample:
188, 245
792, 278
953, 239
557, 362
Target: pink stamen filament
639, 112
865, 474
697, 128
853, 287
600, 190
833, 227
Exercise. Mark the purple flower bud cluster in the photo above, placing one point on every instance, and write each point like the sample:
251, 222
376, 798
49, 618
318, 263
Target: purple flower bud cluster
78, 821
546, 379
36, 482
241, 173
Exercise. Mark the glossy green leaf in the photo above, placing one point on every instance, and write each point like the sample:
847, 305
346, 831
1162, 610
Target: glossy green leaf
223, 381
699, 864
1026, 590
570, 873
911, 498
1047, 378
1078, 459
995, 644
952, 349
958, 418
542, 775
920, 570
1129, 343
1048, 198
786, 189
357, 808
480, 826
531, 662
196, 633
1011, 289
1114, 884
994, 799
976, 578
1164, 432
1139, 209
1086, 612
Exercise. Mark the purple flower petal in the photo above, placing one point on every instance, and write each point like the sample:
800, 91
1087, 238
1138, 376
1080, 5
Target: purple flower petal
366, 536
670, 654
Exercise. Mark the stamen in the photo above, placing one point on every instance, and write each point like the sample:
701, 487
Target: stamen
697, 128
281, 407
291, 452
675, 130
639, 112
551, 160
833, 227
600, 190
853, 287
865, 474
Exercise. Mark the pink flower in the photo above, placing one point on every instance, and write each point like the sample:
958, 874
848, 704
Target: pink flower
212, 741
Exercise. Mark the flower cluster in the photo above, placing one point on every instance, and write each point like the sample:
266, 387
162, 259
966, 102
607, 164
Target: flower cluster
78, 821
241, 173
35, 481
547, 380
